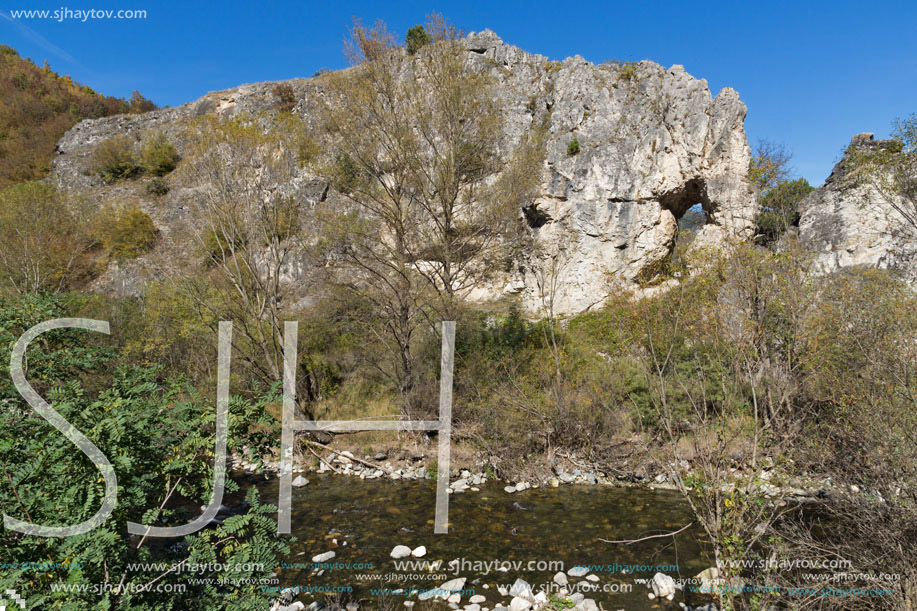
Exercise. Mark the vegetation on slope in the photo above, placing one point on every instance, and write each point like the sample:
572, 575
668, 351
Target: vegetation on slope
37, 106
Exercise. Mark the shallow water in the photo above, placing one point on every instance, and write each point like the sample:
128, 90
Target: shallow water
531, 528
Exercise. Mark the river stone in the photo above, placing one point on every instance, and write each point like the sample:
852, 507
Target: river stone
454, 599
400, 551
577, 571
589, 605
577, 597
419, 552
708, 580
509, 489
300, 481
453, 585
409, 603
663, 585
521, 589
521, 486
561, 579
323, 557
519, 604
592, 578
477, 599
472, 607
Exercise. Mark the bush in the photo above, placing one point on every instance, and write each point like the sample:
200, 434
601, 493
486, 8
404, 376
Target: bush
573, 147
114, 159
157, 187
128, 233
158, 156
779, 208
416, 38
284, 98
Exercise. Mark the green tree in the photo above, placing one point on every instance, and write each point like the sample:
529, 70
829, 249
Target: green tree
779, 208
416, 38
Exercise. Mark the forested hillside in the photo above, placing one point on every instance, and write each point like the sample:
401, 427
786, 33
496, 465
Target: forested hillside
37, 106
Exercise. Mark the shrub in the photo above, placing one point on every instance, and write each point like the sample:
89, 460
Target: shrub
628, 71
779, 208
128, 233
417, 37
157, 187
573, 147
114, 159
284, 98
158, 156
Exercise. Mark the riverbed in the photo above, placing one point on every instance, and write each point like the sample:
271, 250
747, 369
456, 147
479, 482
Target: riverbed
495, 537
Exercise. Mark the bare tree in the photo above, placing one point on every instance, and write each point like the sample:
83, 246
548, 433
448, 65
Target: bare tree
43, 238
251, 233
416, 154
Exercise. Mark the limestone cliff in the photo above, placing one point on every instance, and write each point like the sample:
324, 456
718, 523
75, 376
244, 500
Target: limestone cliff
849, 223
652, 142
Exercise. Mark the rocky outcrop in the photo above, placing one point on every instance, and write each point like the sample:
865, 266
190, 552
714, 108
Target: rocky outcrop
652, 143
849, 223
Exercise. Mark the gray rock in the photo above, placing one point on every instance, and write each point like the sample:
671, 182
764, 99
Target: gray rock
577, 571
663, 585
561, 579
323, 557
849, 223
477, 599
299, 481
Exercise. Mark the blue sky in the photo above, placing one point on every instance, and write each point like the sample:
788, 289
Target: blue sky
811, 73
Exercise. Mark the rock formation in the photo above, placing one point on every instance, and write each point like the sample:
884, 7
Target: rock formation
652, 142
849, 223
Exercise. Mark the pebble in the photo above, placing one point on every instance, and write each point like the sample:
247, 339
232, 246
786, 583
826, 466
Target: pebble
400, 551
323, 557
577, 571
419, 551
476, 599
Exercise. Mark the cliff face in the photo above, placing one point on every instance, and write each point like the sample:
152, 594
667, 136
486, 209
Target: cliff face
849, 223
651, 143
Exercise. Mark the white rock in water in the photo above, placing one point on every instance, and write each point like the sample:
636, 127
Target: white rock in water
472, 607
454, 599
419, 552
323, 557
445, 590
521, 589
577, 571
519, 604
592, 578
561, 579
521, 486
509, 489
300, 481
400, 551
477, 599
663, 585
409, 603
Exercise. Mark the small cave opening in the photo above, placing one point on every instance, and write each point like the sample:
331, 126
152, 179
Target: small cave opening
535, 217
